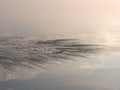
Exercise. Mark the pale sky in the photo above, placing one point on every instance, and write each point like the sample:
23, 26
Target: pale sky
68, 17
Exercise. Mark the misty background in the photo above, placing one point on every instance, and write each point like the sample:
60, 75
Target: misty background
70, 18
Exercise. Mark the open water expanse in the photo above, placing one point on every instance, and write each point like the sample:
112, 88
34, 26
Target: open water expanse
59, 44
59, 64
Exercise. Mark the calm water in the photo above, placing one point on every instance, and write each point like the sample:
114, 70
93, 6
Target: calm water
59, 64
87, 63
59, 44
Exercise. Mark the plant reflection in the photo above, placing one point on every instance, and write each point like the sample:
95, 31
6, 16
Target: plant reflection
18, 54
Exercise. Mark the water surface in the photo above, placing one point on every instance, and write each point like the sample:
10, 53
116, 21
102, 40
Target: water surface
59, 64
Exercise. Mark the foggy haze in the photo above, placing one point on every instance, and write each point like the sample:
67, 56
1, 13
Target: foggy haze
54, 17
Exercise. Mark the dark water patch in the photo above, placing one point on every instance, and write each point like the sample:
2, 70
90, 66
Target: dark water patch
21, 52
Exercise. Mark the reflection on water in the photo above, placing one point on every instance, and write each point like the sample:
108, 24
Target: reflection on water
19, 55
88, 67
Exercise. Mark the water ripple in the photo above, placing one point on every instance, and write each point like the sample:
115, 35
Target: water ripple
18, 54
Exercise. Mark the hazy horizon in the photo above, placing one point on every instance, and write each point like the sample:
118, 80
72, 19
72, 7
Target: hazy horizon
64, 17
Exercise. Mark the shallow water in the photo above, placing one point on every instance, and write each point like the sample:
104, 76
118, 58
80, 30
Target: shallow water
59, 64
59, 44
